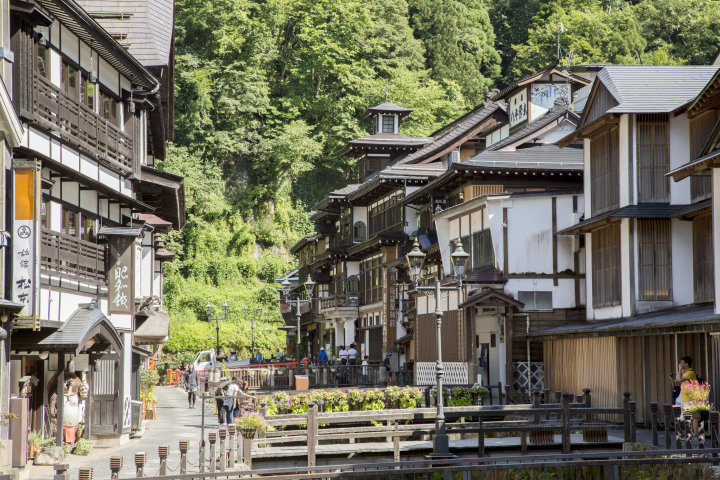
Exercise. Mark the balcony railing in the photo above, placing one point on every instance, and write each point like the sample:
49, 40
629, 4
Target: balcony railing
71, 258
54, 109
339, 301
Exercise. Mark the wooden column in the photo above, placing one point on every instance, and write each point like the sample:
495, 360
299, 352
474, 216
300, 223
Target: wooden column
60, 389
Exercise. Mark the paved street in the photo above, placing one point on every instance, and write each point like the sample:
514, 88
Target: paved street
175, 422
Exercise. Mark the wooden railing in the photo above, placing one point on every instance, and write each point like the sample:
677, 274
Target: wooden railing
339, 301
72, 258
54, 109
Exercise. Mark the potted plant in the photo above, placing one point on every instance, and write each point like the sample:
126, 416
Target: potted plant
148, 380
34, 444
250, 423
80, 429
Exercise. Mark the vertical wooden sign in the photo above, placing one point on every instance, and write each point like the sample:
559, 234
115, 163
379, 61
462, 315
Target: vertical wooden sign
121, 297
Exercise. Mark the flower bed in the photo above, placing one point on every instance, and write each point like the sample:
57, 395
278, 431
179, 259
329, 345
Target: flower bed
336, 400
462, 396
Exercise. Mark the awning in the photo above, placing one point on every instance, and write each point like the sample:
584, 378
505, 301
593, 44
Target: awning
641, 210
141, 351
87, 329
405, 339
486, 275
165, 192
491, 298
696, 166
694, 318
154, 330
120, 231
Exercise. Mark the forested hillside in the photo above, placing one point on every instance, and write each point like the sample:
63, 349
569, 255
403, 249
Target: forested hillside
268, 91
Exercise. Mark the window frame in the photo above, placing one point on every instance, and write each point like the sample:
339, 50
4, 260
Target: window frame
606, 268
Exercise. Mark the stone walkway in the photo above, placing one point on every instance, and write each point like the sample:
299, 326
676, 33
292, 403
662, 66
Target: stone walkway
175, 422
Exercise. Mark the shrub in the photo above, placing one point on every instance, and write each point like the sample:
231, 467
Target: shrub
83, 447
251, 420
34, 438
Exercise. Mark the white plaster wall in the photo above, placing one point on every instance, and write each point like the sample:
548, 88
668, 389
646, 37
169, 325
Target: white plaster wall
626, 244
679, 155
71, 192
682, 261
55, 70
121, 322
586, 177
147, 272
114, 212
624, 160
55, 33
529, 232
69, 44
109, 77
89, 167
89, 201
38, 141
352, 268
109, 178
55, 216
70, 157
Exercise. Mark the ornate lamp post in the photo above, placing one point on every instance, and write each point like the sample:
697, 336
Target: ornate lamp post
208, 314
415, 259
309, 287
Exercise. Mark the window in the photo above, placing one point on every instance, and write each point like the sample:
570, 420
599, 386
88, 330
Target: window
386, 215
70, 79
360, 231
653, 157
655, 260
87, 92
482, 249
371, 280
536, 301
45, 215
108, 108
88, 228
703, 279
604, 178
42, 55
388, 124
606, 266
70, 223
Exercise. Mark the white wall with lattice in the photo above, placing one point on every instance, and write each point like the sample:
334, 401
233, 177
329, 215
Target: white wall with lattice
456, 373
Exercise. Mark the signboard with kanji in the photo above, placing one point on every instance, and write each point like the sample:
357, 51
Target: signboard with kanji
120, 275
26, 241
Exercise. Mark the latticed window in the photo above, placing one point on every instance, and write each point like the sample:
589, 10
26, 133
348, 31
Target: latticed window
360, 231
388, 124
386, 216
604, 169
482, 249
655, 260
371, 280
703, 259
606, 266
653, 157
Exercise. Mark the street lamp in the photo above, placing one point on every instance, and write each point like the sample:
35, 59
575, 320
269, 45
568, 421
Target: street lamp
208, 314
458, 259
309, 287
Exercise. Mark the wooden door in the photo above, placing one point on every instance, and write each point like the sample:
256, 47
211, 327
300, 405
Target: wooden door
105, 400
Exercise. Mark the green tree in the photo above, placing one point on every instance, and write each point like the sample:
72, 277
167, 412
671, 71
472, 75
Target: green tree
460, 43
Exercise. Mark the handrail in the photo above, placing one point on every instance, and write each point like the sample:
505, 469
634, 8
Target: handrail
82, 126
72, 257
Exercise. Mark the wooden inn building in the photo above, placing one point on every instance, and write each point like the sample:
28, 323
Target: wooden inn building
88, 207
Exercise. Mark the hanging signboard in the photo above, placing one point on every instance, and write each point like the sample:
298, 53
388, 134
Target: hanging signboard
26, 242
120, 275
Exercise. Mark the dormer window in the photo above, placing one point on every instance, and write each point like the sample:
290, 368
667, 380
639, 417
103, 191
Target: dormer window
388, 124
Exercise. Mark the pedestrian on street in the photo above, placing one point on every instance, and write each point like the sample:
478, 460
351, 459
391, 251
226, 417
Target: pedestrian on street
278, 355
243, 397
685, 373
352, 354
322, 357
365, 363
388, 368
343, 354
229, 402
258, 357
191, 384
219, 398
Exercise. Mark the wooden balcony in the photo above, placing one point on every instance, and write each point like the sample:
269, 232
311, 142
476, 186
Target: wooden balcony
70, 258
339, 301
55, 110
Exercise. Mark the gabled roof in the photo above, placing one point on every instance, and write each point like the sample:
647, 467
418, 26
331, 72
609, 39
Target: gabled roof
558, 112
491, 297
84, 323
653, 89
391, 177
387, 107
458, 132
77, 20
143, 27
551, 69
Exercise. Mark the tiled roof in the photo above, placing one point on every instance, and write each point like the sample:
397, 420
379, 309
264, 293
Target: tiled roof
465, 126
654, 89
656, 321
544, 157
71, 336
143, 27
388, 107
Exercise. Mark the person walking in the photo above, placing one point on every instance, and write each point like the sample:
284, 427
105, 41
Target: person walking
343, 354
191, 384
229, 402
388, 368
220, 399
352, 354
243, 398
365, 364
